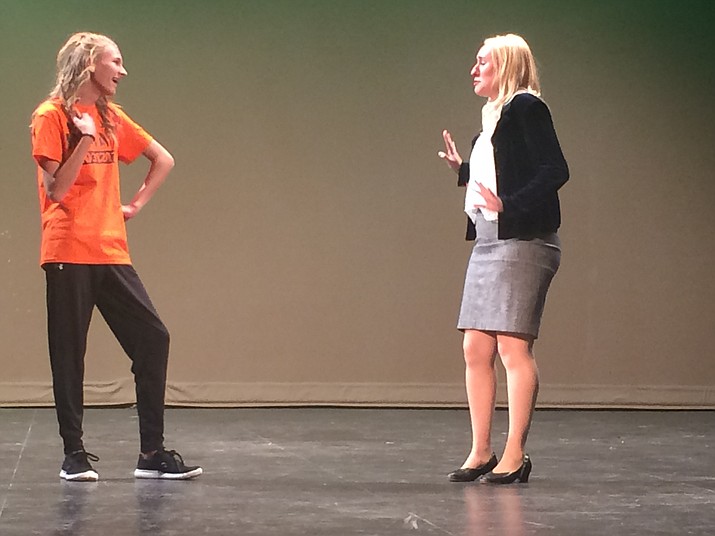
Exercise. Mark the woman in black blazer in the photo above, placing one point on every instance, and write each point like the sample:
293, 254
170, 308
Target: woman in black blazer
514, 172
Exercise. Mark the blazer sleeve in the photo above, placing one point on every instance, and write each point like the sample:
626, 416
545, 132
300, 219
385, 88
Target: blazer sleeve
463, 177
550, 170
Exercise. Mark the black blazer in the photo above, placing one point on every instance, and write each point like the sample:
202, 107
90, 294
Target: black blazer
530, 168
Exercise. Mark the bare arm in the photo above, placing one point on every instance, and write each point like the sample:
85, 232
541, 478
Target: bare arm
161, 164
58, 179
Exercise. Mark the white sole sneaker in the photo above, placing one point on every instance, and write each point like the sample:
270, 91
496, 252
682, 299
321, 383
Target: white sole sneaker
145, 473
86, 476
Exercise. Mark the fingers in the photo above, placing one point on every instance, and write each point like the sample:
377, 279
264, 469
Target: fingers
74, 110
491, 200
450, 154
447, 138
85, 124
451, 148
484, 191
81, 121
448, 141
489, 196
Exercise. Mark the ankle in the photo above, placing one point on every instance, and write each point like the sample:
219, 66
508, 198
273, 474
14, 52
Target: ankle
513, 450
477, 459
481, 454
511, 459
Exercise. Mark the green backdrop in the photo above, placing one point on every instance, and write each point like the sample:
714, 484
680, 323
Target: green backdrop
308, 247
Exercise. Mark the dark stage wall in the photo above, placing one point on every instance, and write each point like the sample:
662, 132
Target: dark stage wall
308, 247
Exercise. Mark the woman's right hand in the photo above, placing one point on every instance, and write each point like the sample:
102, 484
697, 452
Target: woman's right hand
450, 154
85, 124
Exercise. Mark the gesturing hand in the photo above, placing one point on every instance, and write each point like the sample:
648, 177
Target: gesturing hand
450, 154
491, 200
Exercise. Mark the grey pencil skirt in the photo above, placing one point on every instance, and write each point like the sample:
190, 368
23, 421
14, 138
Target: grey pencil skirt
507, 280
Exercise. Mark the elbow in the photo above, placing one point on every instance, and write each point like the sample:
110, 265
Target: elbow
565, 175
558, 174
165, 163
54, 195
165, 159
160, 158
52, 185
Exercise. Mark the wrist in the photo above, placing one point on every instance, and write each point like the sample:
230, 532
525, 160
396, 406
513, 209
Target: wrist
87, 134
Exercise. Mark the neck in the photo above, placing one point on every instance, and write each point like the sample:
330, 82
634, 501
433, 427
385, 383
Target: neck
88, 94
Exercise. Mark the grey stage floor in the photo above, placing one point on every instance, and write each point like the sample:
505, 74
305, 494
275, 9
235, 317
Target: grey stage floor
340, 472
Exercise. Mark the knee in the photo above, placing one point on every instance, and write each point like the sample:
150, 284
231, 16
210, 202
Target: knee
165, 337
516, 356
478, 355
160, 339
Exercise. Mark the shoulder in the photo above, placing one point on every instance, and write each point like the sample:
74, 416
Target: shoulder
524, 103
51, 108
117, 111
526, 110
121, 118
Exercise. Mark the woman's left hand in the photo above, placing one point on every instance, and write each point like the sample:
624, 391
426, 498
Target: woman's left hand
491, 200
129, 211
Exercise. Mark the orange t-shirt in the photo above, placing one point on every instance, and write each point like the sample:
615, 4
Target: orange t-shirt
87, 226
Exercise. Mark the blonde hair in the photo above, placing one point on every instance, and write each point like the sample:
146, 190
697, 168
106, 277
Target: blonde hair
75, 63
515, 65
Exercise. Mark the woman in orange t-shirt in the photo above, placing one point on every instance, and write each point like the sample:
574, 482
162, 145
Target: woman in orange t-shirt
78, 138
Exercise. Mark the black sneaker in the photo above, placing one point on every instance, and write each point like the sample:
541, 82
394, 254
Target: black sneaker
77, 467
165, 464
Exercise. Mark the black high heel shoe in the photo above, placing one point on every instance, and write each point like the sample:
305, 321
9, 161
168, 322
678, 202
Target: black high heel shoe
470, 474
521, 474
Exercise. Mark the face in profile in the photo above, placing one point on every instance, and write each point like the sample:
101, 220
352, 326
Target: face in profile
484, 74
108, 70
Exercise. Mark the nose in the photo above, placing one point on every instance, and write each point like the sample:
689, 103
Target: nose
475, 70
123, 71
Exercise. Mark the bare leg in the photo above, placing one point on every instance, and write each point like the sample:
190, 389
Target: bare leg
522, 378
480, 378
